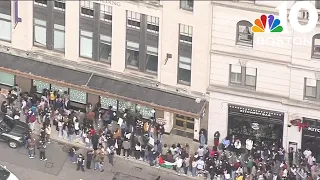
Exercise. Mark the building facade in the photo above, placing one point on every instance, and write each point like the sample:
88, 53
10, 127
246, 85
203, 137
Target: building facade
148, 56
263, 86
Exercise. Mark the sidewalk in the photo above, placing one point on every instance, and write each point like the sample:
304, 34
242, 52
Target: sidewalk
79, 144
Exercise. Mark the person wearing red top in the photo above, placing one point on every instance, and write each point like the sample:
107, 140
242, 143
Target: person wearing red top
92, 132
161, 161
32, 120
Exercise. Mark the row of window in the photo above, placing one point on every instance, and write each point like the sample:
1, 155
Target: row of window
81, 96
245, 37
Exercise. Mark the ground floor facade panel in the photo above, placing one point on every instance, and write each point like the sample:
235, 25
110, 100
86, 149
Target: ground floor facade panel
262, 121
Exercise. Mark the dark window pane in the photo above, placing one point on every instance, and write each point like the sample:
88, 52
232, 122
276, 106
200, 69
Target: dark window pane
132, 58
107, 17
190, 125
86, 11
105, 52
41, 1
152, 63
59, 4
179, 123
184, 75
153, 27
185, 38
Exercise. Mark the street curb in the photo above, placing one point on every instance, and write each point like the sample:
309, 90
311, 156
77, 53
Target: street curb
80, 146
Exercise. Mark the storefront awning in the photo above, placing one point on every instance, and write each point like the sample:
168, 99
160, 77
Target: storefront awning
145, 94
100, 85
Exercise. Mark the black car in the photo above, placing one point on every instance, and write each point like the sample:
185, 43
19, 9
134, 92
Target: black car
12, 131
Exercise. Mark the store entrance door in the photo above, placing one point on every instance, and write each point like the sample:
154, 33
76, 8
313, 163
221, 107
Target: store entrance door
183, 125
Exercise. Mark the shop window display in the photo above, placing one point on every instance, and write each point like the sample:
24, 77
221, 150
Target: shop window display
258, 130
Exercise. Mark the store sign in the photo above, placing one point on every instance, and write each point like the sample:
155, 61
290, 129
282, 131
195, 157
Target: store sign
112, 3
299, 124
255, 126
255, 111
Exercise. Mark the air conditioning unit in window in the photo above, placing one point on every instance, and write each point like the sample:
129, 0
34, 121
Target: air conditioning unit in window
304, 14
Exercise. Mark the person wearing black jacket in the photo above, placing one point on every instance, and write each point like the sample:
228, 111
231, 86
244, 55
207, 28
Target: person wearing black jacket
95, 141
89, 158
4, 107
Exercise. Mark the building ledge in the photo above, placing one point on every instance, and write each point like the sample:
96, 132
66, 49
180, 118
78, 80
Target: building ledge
264, 96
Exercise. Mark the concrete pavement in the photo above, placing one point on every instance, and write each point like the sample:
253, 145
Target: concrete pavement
58, 166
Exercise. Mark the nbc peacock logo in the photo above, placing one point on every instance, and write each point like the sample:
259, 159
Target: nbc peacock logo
261, 25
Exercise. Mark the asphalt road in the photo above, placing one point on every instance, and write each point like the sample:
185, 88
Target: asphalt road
58, 167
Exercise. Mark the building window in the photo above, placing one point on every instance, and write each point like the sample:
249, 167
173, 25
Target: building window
132, 54
243, 76
40, 32
153, 24
186, 5
105, 49
184, 70
244, 34
146, 112
41, 2
59, 37
185, 35
184, 123
311, 89
7, 79
106, 102
78, 96
133, 20
85, 44
40, 85
106, 13
152, 59
86, 8
59, 89
60, 5
5, 30
122, 105
316, 46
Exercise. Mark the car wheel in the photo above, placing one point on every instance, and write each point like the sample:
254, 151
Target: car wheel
13, 144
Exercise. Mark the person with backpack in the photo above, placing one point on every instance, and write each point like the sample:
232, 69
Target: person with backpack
80, 162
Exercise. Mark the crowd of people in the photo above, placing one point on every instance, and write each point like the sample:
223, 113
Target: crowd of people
107, 133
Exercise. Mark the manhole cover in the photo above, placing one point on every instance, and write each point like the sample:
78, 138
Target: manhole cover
48, 165
139, 169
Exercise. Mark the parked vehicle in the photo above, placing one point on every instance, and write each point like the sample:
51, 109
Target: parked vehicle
12, 131
5, 174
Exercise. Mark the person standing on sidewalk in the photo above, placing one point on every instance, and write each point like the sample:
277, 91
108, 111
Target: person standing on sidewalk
101, 160
42, 150
111, 155
80, 162
31, 146
126, 148
89, 158
96, 158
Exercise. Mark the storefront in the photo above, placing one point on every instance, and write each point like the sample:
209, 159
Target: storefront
175, 111
259, 125
311, 135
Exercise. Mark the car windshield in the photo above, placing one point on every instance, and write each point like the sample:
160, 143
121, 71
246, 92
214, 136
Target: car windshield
4, 174
6, 123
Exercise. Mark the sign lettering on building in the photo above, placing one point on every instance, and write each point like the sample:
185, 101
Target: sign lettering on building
314, 129
110, 2
256, 111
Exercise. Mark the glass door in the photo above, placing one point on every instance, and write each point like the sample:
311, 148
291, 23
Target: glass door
184, 123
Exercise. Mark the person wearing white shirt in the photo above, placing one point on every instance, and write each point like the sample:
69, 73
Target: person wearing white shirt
249, 144
137, 153
200, 164
178, 164
307, 153
77, 127
237, 146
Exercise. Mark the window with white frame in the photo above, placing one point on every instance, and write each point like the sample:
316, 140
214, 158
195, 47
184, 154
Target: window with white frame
152, 59
243, 76
184, 70
60, 5
41, 2
5, 24
244, 33
40, 32
315, 52
106, 13
59, 38
105, 48
86, 44
311, 89
133, 20
132, 54
185, 33
153, 24
186, 5
86, 8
